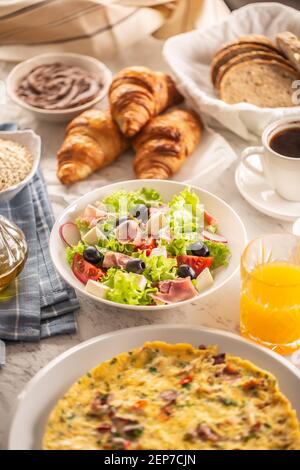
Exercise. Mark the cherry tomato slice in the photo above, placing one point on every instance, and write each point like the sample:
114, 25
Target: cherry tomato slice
147, 246
209, 219
85, 271
198, 263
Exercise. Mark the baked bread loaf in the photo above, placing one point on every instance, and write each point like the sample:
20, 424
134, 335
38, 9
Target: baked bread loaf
264, 83
241, 45
266, 55
289, 45
165, 143
137, 94
92, 141
229, 53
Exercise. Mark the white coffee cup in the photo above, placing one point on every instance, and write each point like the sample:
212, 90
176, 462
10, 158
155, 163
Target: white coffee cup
282, 172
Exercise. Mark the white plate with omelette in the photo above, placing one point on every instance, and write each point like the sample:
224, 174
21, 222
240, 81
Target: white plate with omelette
161, 387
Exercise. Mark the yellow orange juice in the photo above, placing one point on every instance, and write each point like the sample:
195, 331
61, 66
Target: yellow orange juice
270, 305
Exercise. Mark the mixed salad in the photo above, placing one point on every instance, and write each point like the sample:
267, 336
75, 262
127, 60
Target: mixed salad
133, 248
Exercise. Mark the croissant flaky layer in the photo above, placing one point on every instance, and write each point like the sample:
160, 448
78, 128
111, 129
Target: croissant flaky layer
138, 94
92, 141
164, 144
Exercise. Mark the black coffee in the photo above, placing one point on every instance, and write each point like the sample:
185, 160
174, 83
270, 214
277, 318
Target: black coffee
287, 142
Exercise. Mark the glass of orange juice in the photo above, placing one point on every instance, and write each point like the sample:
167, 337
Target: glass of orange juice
270, 292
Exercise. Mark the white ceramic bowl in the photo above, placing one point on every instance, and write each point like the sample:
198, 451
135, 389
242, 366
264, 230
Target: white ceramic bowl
94, 66
50, 384
33, 142
230, 225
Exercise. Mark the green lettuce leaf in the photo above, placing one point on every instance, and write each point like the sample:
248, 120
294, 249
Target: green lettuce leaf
186, 215
82, 226
123, 201
177, 247
212, 228
108, 226
114, 245
220, 252
71, 251
150, 197
125, 289
108, 279
159, 268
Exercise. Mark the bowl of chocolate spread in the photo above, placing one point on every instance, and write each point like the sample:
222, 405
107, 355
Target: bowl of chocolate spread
58, 86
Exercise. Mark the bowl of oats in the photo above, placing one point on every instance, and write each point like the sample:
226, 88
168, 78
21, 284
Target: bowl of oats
20, 153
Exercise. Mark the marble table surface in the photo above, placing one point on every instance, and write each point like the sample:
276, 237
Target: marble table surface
220, 310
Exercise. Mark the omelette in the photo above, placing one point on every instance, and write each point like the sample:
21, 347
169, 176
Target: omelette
174, 397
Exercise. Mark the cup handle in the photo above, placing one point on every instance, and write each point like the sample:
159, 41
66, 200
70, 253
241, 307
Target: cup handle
249, 152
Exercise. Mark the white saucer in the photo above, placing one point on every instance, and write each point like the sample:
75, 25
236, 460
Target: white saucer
257, 192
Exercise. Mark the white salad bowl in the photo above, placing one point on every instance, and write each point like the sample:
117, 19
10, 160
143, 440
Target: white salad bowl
229, 223
90, 64
32, 141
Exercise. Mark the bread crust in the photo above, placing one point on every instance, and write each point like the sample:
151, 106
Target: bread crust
164, 144
252, 39
137, 94
92, 141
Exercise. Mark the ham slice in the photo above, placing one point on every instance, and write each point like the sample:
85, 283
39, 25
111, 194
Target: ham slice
92, 215
129, 232
115, 260
179, 290
206, 433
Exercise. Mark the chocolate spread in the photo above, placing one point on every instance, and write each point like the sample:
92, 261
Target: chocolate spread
58, 87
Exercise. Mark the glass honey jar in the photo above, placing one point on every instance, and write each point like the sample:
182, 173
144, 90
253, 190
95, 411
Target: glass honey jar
13, 252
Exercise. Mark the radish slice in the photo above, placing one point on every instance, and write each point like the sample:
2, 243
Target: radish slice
70, 234
213, 237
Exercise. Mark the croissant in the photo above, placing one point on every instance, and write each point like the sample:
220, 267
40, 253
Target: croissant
92, 141
164, 144
137, 94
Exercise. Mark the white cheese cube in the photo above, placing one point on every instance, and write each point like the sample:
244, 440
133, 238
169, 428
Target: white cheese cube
141, 280
93, 235
162, 251
97, 289
204, 280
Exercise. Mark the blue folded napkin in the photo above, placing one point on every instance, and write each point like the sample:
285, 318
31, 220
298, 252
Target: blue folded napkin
39, 303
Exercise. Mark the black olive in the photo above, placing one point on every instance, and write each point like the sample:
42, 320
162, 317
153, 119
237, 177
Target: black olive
121, 220
186, 271
92, 255
198, 249
136, 266
140, 212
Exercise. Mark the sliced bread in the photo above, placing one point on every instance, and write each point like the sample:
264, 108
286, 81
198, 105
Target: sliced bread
228, 53
264, 83
289, 45
259, 54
